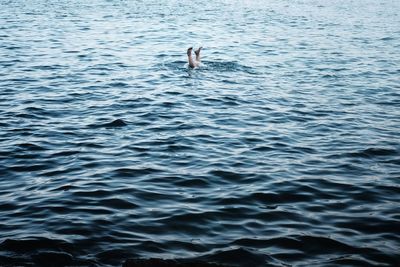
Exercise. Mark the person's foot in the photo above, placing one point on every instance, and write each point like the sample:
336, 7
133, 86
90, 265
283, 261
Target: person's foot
189, 51
197, 52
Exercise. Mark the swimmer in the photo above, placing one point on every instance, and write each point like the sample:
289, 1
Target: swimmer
193, 63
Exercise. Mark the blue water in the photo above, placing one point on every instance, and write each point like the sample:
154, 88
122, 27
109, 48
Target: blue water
282, 149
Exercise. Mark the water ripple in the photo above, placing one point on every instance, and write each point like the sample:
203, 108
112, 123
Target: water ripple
280, 149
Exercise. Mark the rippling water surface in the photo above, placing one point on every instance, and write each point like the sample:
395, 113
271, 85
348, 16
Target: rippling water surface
282, 149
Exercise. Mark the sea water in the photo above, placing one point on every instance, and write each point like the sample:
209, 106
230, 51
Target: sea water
281, 149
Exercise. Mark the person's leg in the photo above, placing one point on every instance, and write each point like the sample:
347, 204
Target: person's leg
190, 59
197, 52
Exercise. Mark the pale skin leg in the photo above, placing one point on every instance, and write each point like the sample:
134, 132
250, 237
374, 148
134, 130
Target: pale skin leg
190, 59
197, 52
193, 63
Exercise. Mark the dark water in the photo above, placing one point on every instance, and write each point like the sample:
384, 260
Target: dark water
282, 149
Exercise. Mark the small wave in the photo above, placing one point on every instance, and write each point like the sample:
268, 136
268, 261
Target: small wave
65, 153
114, 124
117, 203
53, 259
239, 257
388, 38
31, 147
368, 153
117, 84
132, 172
168, 263
28, 168
40, 252
228, 175
192, 182
379, 152
33, 244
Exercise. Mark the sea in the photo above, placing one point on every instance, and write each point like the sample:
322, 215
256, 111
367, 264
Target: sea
281, 149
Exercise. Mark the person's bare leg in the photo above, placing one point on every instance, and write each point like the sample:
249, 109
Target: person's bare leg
197, 52
190, 59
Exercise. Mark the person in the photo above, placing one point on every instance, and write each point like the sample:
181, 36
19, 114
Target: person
194, 63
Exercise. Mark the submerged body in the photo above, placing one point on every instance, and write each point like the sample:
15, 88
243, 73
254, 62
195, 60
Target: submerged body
194, 62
